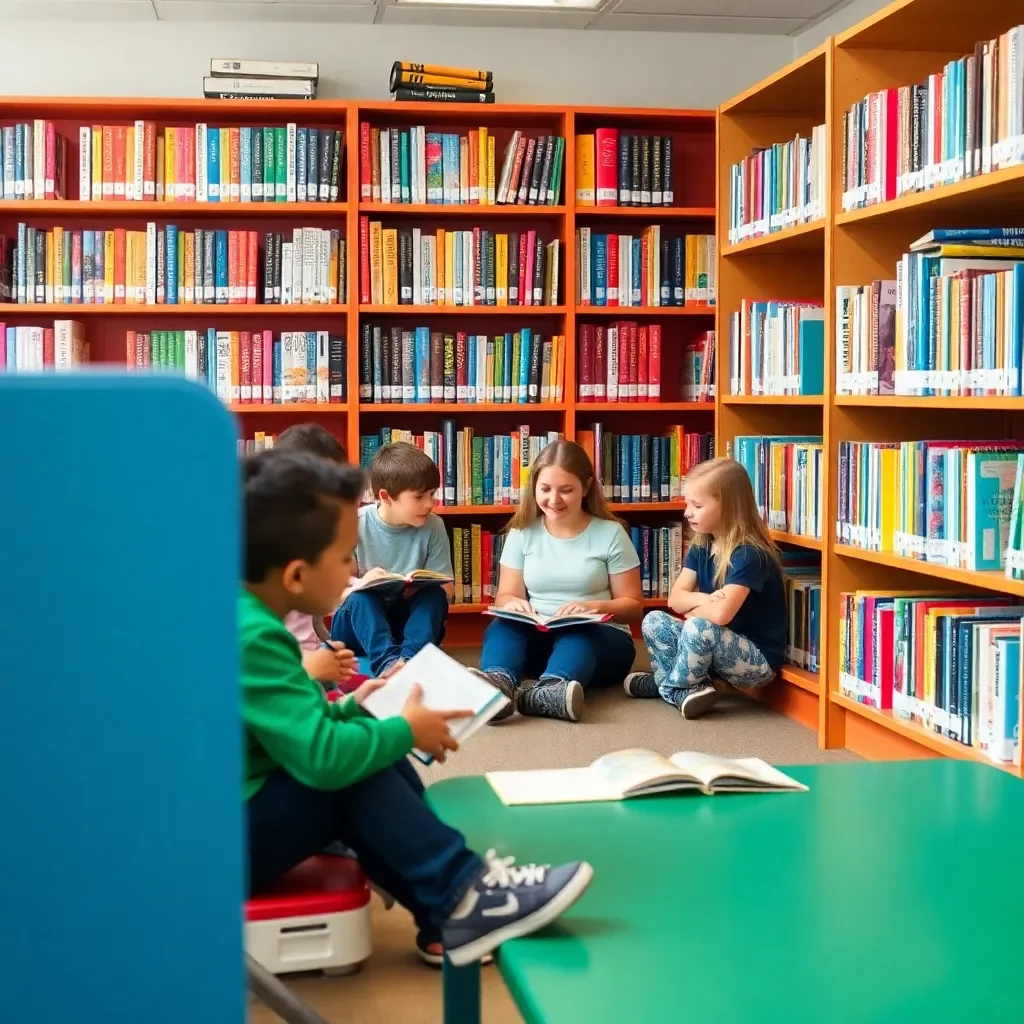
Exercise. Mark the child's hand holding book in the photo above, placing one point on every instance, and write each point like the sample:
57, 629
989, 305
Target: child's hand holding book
430, 730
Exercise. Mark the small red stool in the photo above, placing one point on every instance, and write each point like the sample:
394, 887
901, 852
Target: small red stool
316, 919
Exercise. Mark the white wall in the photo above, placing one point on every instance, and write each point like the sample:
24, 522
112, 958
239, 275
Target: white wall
530, 66
843, 19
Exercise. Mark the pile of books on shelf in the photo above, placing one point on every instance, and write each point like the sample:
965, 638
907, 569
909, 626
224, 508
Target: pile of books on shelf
616, 168
234, 79
438, 83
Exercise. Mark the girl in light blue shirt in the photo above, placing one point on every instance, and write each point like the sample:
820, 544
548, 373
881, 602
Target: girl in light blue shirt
564, 554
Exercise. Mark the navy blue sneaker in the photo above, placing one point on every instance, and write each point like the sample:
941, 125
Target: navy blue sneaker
511, 900
641, 684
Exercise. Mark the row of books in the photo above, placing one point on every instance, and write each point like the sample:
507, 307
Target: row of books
170, 266
644, 467
474, 267
946, 502
476, 559
204, 163
777, 187
475, 469
417, 365
644, 270
948, 324
777, 347
413, 165
34, 349
962, 121
801, 577
949, 662
616, 168
619, 362
33, 161
786, 472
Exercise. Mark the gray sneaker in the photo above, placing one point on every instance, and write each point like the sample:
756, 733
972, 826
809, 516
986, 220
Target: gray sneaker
699, 702
501, 682
552, 698
640, 684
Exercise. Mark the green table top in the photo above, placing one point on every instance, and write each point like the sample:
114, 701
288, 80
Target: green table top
889, 892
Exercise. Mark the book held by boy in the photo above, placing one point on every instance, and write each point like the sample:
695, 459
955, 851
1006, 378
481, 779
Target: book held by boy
395, 581
447, 686
629, 773
548, 622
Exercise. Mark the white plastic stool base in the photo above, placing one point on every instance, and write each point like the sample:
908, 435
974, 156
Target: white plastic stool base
333, 943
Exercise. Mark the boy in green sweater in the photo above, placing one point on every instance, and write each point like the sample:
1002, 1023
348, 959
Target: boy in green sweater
319, 773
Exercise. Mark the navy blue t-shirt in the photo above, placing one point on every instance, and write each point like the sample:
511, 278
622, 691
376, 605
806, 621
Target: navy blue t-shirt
762, 616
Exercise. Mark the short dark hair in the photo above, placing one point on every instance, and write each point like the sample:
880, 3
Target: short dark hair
292, 505
312, 438
402, 467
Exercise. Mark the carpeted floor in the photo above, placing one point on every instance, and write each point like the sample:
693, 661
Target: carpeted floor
393, 987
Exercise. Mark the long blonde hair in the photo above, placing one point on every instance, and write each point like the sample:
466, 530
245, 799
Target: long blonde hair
571, 457
727, 482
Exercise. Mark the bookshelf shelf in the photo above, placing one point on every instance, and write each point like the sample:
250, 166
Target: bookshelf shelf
801, 677
647, 506
585, 407
73, 311
962, 402
768, 400
651, 213
467, 608
463, 408
628, 312
994, 581
435, 311
796, 539
289, 408
477, 211
474, 510
800, 238
912, 731
153, 210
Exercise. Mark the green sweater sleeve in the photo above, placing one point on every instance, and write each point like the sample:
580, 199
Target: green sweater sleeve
285, 712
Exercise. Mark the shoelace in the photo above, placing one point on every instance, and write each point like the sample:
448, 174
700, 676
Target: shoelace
504, 873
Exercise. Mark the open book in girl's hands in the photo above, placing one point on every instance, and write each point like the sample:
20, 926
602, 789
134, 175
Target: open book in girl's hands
398, 582
546, 622
447, 686
628, 773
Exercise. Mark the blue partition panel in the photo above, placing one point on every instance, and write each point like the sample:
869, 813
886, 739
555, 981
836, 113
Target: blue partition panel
121, 868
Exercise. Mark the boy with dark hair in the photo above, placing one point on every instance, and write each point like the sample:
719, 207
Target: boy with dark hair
399, 533
318, 773
332, 664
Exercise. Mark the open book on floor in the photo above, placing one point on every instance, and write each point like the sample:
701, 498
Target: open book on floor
546, 622
447, 686
629, 773
395, 581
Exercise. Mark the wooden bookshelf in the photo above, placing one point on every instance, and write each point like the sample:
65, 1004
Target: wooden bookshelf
693, 133
899, 45
790, 263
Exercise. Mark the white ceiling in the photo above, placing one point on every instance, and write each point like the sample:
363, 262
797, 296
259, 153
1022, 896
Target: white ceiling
767, 17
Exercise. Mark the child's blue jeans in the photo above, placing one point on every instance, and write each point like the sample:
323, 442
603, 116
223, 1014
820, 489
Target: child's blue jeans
401, 844
386, 630
595, 655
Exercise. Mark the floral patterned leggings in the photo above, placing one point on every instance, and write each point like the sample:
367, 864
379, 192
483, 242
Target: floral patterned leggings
685, 651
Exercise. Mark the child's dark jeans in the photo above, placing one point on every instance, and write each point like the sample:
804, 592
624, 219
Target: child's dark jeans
401, 844
385, 630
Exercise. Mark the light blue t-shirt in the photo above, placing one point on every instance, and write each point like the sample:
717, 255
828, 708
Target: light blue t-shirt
557, 570
401, 549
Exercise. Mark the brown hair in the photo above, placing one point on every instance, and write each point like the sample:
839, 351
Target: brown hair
571, 457
727, 481
401, 467
312, 438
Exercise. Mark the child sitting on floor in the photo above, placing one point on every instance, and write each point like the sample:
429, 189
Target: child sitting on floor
328, 661
564, 553
730, 594
319, 773
399, 533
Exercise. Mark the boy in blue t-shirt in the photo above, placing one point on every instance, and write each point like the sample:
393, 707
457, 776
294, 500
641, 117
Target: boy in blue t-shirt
399, 533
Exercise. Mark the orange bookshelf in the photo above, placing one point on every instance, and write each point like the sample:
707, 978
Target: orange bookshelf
900, 44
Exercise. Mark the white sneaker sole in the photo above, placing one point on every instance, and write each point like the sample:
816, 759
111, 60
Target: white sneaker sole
551, 911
